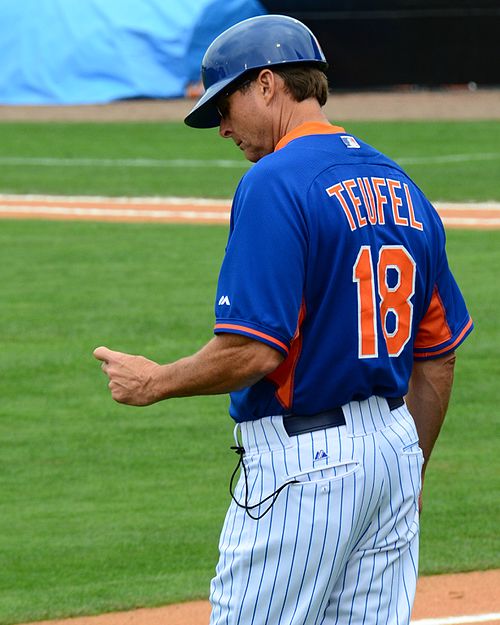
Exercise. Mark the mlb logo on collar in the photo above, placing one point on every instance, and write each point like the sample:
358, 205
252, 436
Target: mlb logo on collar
349, 142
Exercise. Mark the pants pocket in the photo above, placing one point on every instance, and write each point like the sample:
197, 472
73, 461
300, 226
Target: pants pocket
412, 449
329, 473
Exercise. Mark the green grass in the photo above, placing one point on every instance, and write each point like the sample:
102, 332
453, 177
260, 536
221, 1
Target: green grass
461, 505
117, 141
475, 178
106, 507
102, 506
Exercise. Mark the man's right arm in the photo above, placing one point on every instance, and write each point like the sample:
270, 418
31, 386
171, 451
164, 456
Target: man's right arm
427, 399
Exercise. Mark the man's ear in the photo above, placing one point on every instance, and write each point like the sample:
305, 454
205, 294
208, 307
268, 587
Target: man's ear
267, 83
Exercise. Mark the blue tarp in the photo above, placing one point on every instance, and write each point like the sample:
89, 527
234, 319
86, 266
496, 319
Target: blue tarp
94, 51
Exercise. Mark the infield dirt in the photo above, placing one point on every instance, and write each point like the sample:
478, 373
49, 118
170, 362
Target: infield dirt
452, 103
437, 596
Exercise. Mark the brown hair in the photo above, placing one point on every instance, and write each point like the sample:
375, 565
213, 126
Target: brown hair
302, 81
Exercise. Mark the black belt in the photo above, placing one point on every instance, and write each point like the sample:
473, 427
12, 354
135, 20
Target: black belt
300, 424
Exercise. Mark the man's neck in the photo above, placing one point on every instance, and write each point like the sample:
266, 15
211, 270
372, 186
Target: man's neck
296, 114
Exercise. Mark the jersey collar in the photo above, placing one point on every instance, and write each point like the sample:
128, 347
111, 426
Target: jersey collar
308, 128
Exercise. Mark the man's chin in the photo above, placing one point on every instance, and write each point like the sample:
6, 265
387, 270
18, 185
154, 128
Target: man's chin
253, 157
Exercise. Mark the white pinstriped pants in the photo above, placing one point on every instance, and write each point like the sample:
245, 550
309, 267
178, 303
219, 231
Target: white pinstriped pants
338, 548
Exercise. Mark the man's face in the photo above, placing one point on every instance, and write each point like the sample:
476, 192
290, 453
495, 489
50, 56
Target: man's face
245, 120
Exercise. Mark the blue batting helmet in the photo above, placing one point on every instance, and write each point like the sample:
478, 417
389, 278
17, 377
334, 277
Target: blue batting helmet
255, 43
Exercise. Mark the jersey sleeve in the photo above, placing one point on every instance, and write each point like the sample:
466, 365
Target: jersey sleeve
447, 322
261, 281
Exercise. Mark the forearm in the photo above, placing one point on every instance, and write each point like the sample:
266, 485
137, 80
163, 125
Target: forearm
428, 396
227, 363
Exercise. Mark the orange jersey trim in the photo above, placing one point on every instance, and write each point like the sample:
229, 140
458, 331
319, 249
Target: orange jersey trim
448, 348
433, 329
309, 128
284, 375
262, 335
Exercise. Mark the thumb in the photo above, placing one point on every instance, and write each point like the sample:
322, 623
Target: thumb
104, 354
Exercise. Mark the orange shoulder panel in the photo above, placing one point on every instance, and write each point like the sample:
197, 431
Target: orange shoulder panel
284, 375
434, 328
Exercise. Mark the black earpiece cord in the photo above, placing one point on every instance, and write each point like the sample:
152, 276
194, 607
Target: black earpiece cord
273, 496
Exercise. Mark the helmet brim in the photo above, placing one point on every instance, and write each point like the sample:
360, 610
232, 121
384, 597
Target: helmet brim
204, 113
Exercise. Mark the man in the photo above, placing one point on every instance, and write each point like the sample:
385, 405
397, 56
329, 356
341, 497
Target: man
334, 301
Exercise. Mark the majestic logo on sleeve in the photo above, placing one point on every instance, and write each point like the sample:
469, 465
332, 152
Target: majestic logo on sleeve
224, 301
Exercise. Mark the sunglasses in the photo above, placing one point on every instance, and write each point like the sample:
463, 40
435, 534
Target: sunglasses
223, 104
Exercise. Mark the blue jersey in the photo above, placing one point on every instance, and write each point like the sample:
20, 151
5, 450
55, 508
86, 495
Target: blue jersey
336, 259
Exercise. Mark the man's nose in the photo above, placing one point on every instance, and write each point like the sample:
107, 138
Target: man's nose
224, 128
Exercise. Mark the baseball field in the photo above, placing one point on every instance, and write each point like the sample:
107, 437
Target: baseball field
106, 507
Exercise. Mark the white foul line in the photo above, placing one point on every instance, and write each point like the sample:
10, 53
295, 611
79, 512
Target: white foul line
465, 206
46, 161
122, 162
483, 214
447, 158
104, 212
458, 620
119, 201
176, 214
470, 221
